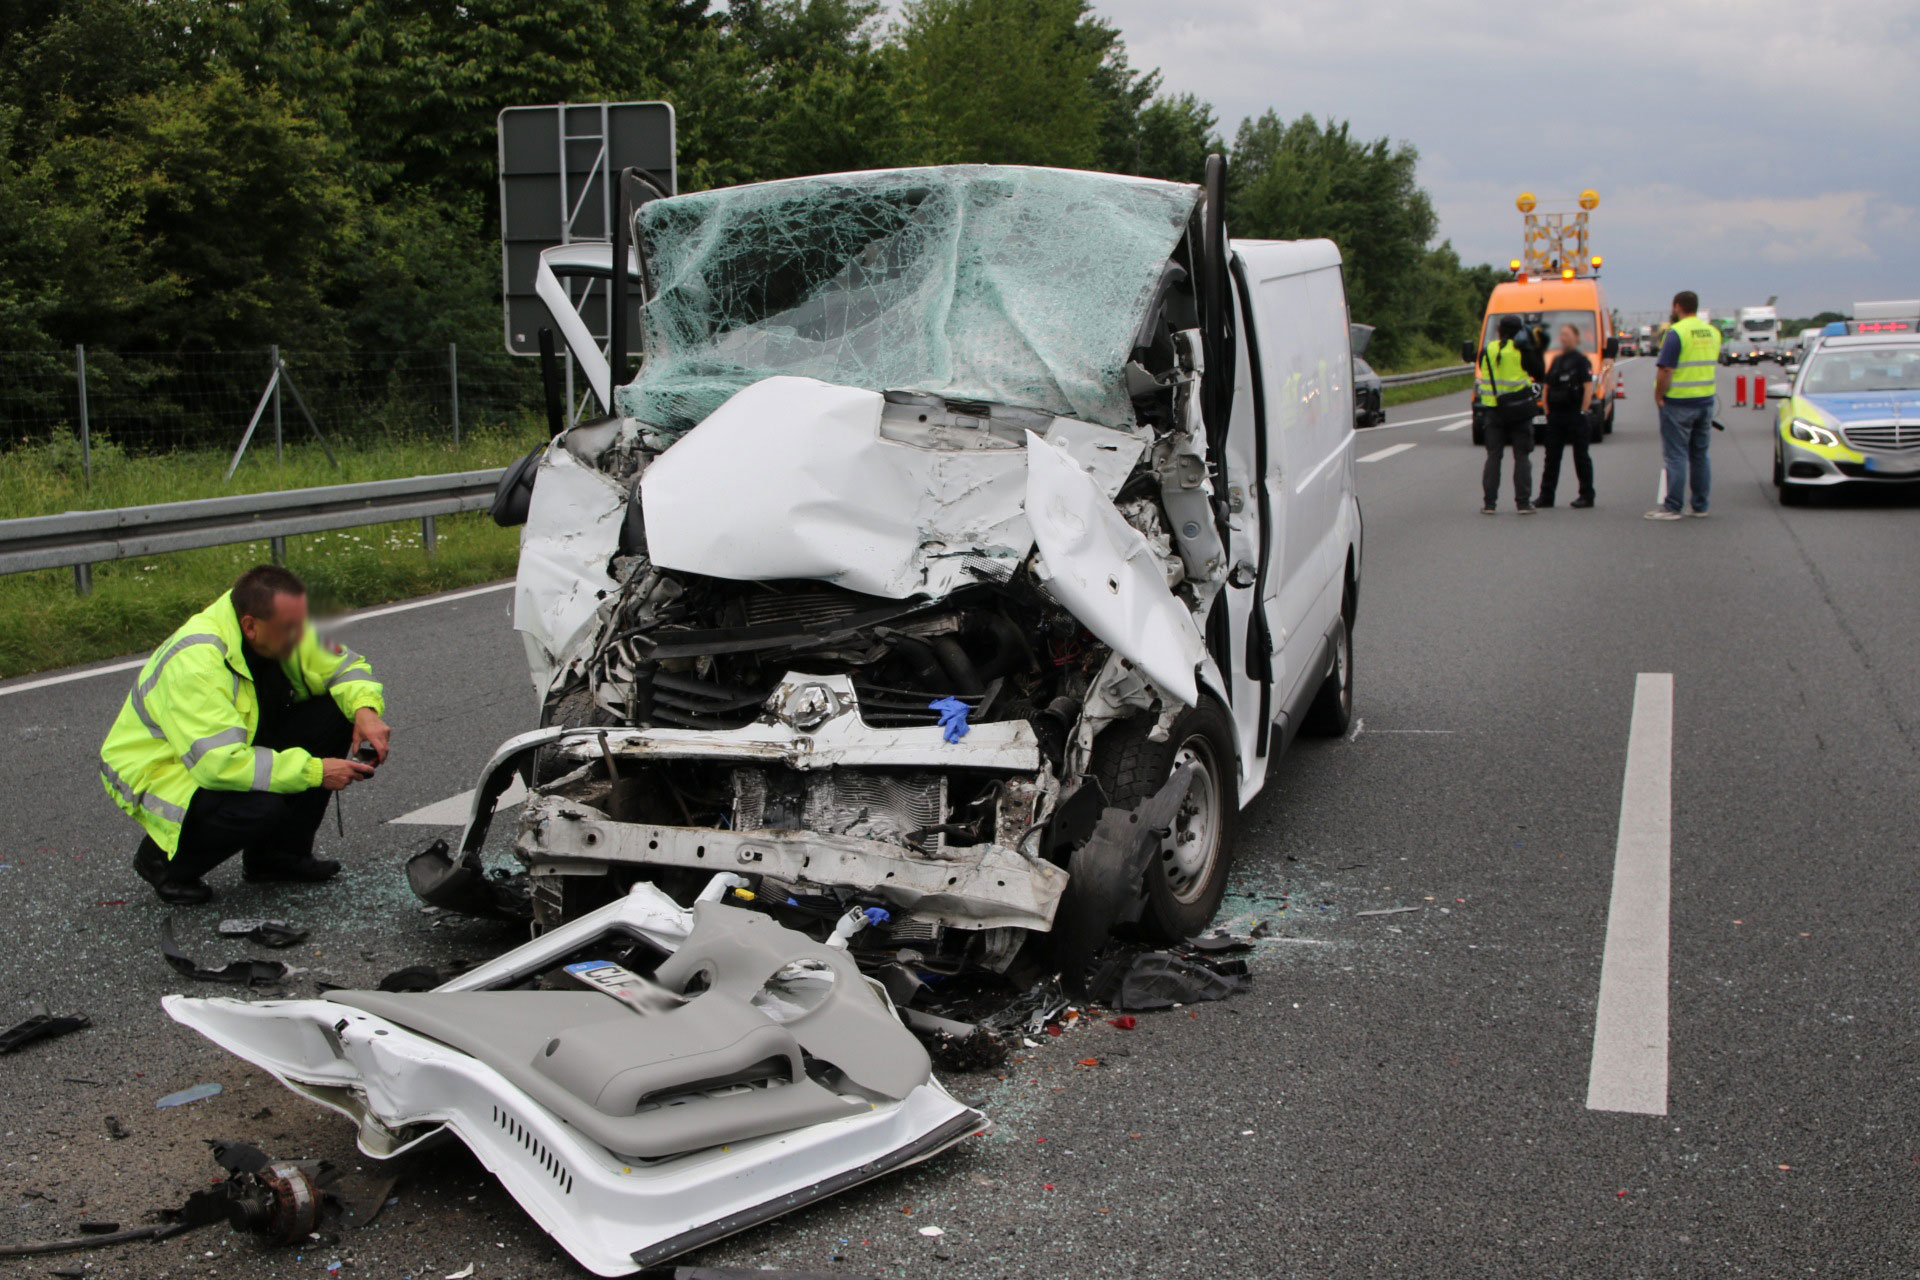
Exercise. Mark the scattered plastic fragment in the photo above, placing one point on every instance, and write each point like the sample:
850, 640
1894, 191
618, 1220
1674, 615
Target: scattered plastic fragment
953, 717
932, 1232
193, 1094
1219, 942
268, 933
462, 1273
40, 1025
1087, 1062
115, 1129
1619, 1195
1125, 1022
244, 972
1387, 911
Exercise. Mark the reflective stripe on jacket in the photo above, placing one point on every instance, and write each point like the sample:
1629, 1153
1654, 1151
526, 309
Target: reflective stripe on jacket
1693, 373
1509, 372
189, 721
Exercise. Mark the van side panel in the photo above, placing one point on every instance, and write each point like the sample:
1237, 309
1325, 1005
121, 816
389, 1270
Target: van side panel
1302, 319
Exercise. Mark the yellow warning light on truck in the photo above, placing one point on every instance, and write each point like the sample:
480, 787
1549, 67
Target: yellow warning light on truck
1525, 203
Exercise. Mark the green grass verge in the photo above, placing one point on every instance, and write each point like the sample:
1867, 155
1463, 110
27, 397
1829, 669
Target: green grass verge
136, 603
1390, 396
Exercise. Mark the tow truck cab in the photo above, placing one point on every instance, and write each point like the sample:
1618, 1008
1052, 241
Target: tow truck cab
1546, 305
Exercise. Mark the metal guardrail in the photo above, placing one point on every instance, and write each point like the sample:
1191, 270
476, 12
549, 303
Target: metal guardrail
1424, 375
82, 539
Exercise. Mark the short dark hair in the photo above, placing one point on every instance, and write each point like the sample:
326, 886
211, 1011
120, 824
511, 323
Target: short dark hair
1688, 301
1510, 324
254, 590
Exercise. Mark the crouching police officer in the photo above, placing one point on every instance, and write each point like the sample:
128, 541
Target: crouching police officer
235, 731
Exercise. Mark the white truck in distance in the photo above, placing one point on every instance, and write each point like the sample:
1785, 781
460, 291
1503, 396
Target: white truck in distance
1756, 336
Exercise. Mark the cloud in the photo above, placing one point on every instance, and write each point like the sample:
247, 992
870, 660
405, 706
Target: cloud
1750, 146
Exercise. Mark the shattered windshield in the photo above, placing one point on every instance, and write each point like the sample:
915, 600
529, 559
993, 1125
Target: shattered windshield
1012, 286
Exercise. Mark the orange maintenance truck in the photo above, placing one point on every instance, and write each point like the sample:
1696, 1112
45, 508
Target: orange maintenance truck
1556, 283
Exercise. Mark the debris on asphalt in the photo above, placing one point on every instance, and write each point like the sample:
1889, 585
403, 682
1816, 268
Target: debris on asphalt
193, 1094
1162, 980
1219, 942
244, 972
932, 1232
1125, 1022
75, 1243
115, 1129
955, 1045
40, 1025
1387, 911
462, 1273
1031, 1010
268, 933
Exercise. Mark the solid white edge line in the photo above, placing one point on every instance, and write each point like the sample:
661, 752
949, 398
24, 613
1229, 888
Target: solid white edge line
1630, 1026
1389, 451
1455, 426
134, 664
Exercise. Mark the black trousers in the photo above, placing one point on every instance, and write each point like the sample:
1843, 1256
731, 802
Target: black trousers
1566, 427
1517, 434
262, 825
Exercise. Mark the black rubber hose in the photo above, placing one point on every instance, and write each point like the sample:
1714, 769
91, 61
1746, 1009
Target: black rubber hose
959, 667
76, 1243
925, 665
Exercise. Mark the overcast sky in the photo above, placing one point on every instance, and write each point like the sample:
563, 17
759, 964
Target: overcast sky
1740, 147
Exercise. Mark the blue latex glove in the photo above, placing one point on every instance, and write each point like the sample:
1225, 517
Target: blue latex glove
953, 717
877, 915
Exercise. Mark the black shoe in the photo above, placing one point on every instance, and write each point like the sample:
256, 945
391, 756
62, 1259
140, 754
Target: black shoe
1581, 503
305, 869
1524, 508
1541, 504
175, 893
1489, 510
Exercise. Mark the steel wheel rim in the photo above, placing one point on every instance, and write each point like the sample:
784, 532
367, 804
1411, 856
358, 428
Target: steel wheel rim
1192, 846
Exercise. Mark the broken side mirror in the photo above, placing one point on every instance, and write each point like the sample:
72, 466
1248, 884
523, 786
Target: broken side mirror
1466, 352
1612, 348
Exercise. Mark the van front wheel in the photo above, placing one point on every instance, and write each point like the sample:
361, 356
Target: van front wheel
1187, 874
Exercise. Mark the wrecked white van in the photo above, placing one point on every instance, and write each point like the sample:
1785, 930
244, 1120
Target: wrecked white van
967, 546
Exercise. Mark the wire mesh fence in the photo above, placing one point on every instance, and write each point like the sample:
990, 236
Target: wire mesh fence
156, 402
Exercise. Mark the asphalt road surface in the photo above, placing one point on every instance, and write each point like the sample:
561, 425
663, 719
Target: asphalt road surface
1399, 1095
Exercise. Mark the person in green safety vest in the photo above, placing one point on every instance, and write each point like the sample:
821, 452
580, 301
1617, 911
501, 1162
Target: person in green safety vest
234, 732
1683, 388
1508, 366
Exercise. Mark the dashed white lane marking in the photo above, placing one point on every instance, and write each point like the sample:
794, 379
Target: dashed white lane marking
1389, 451
134, 664
1455, 426
452, 812
1629, 1071
1417, 422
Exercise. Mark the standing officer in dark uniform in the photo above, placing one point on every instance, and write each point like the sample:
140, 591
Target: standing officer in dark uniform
1570, 388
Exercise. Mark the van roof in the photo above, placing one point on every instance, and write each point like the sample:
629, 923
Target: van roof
1547, 295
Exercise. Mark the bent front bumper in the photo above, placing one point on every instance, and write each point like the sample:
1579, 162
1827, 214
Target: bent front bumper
980, 887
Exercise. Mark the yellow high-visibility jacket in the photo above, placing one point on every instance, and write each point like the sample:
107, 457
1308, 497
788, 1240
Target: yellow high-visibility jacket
190, 718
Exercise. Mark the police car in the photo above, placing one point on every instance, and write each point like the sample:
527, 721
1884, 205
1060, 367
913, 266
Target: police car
1852, 416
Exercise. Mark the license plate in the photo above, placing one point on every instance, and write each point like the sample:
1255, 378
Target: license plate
1893, 466
624, 985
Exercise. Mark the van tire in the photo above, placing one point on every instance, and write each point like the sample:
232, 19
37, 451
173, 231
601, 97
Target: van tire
1184, 884
1331, 713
